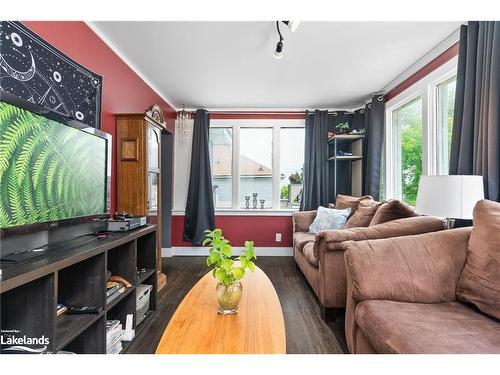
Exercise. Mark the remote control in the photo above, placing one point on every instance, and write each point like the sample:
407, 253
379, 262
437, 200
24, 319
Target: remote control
84, 310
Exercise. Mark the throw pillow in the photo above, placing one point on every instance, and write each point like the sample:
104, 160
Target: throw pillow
347, 201
479, 283
329, 218
392, 210
364, 214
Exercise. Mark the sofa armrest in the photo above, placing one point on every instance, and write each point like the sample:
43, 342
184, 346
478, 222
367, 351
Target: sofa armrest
396, 228
302, 220
422, 268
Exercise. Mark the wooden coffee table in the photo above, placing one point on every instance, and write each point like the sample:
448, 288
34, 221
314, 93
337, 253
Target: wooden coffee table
197, 328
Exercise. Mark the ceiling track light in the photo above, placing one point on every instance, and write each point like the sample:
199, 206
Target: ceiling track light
278, 52
292, 25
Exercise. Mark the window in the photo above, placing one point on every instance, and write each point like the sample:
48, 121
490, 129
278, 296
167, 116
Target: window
418, 133
291, 166
264, 158
407, 149
256, 171
221, 154
444, 123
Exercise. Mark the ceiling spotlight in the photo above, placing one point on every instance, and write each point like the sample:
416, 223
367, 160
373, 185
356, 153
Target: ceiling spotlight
292, 25
278, 52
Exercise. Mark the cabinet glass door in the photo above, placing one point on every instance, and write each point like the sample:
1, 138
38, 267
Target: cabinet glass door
153, 149
153, 192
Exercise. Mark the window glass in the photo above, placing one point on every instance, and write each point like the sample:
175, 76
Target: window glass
444, 124
221, 154
291, 166
256, 175
407, 149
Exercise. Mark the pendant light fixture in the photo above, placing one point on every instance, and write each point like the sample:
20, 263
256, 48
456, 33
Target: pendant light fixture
183, 118
292, 25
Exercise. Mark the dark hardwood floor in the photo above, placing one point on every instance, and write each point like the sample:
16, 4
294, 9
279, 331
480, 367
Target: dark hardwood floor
306, 332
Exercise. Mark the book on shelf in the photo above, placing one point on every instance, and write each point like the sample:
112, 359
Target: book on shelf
112, 287
61, 309
115, 293
113, 337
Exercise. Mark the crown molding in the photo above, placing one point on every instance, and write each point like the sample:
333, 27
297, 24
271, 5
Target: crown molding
441, 47
115, 49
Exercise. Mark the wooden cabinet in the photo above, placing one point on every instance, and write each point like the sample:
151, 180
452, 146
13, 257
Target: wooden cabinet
139, 169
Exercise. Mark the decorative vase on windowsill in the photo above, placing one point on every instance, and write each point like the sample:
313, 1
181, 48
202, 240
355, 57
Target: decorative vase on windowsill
228, 270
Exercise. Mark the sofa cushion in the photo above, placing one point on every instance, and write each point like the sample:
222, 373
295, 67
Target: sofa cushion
328, 219
392, 210
364, 214
449, 327
347, 201
301, 238
308, 252
480, 280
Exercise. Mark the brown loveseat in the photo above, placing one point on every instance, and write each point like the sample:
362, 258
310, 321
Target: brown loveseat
429, 293
321, 257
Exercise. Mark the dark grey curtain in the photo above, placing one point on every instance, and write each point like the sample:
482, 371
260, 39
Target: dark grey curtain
315, 190
373, 143
200, 204
475, 147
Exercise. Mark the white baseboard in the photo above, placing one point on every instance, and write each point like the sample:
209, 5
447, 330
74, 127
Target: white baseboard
203, 251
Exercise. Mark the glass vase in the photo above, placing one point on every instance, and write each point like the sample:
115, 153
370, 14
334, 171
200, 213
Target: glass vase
229, 297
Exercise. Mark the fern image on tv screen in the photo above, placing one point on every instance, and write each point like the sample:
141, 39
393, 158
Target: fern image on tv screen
48, 171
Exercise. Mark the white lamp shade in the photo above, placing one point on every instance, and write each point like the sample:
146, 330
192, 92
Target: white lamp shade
449, 196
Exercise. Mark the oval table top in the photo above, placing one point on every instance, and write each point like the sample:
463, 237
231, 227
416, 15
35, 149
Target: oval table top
257, 328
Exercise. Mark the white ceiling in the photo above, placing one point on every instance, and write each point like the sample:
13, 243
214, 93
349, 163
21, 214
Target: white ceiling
230, 64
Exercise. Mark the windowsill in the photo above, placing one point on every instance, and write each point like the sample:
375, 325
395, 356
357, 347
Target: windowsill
245, 212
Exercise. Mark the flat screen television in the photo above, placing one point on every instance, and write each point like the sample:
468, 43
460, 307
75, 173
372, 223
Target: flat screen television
52, 170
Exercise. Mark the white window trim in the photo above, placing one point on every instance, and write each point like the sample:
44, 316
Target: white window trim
236, 125
426, 88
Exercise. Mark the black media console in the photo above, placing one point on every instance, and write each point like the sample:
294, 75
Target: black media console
31, 290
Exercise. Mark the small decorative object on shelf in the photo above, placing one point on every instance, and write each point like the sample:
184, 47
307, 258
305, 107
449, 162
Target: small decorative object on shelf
247, 201
331, 134
254, 201
262, 201
343, 128
228, 270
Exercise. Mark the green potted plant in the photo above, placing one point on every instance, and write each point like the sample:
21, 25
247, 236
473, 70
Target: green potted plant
228, 270
343, 127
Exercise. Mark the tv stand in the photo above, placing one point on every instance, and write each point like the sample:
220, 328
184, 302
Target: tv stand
76, 275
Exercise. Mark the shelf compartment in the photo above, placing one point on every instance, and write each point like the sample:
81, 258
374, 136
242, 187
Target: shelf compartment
146, 251
30, 309
71, 326
91, 340
144, 275
83, 283
121, 261
118, 299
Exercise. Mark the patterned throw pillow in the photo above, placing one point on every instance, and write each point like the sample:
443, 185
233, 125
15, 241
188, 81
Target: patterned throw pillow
328, 219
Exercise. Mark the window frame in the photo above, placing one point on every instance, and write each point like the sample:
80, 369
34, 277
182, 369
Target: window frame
427, 89
236, 125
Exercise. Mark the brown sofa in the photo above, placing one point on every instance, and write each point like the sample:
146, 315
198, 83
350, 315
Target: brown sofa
429, 293
321, 257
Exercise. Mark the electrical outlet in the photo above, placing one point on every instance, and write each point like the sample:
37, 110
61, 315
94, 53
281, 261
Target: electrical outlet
278, 237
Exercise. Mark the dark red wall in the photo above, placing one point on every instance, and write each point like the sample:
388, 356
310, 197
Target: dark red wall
123, 90
238, 229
